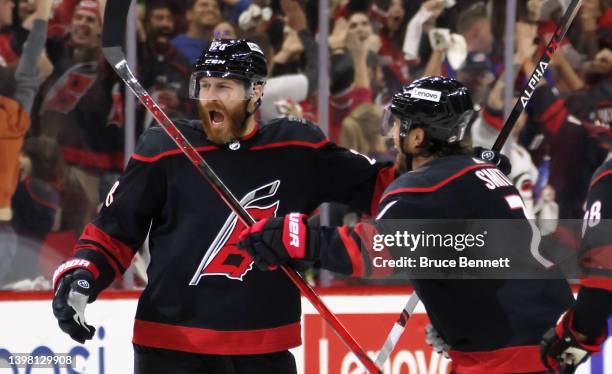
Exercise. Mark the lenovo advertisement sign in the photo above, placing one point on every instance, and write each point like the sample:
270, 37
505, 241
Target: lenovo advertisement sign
27, 327
324, 353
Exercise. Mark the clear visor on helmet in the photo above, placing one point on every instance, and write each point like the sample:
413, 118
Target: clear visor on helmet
207, 86
388, 121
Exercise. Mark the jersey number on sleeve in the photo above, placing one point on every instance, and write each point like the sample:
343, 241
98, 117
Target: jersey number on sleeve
109, 198
592, 217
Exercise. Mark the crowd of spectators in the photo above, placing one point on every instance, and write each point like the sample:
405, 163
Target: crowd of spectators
62, 106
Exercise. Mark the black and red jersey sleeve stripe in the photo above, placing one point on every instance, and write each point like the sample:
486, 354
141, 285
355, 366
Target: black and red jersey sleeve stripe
110, 256
354, 246
365, 233
352, 249
435, 186
383, 180
115, 249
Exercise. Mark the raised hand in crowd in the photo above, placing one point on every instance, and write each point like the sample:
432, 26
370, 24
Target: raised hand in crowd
294, 15
42, 11
435, 7
337, 38
291, 48
525, 42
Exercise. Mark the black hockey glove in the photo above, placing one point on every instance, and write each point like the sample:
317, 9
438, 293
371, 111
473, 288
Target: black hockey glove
280, 240
73, 291
502, 162
562, 350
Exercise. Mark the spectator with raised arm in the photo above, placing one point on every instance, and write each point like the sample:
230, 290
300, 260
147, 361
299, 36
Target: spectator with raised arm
77, 108
350, 79
16, 96
283, 90
475, 25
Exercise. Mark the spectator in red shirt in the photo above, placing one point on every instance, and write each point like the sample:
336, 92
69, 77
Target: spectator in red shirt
7, 54
350, 79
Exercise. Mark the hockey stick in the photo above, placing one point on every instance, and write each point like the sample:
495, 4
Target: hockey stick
397, 330
537, 74
115, 15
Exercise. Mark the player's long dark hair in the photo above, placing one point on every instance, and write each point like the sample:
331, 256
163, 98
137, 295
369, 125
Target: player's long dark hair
439, 148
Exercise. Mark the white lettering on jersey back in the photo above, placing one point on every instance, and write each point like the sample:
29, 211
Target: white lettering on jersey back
384, 210
493, 178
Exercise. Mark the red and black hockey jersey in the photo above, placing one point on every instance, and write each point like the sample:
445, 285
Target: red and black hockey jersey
594, 304
492, 325
596, 250
204, 295
573, 145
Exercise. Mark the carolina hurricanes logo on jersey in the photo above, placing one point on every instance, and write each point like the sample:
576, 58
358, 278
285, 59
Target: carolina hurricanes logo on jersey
223, 257
70, 87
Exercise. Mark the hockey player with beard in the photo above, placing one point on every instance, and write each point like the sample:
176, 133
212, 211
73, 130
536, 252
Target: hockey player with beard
491, 325
206, 308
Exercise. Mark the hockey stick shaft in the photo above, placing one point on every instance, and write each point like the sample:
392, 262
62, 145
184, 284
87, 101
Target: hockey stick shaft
397, 330
537, 74
111, 40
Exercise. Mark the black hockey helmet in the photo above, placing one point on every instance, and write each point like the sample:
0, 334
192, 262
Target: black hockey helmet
237, 59
442, 106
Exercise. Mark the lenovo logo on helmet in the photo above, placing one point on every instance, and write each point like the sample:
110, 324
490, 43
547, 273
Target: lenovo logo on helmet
429, 95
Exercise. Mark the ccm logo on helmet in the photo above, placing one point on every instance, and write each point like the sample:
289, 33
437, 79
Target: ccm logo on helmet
294, 229
421, 93
214, 61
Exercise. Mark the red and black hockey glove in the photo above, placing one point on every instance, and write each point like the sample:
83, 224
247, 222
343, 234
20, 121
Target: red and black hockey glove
74, 288
502, 162
280, 240
562, 348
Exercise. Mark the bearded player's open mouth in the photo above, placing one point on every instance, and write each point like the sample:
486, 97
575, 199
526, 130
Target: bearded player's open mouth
217, 118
